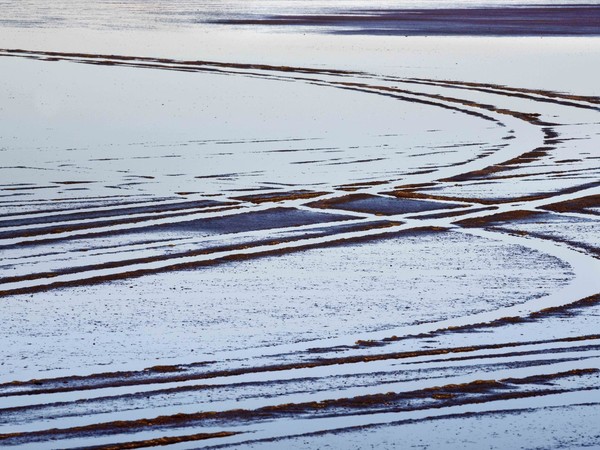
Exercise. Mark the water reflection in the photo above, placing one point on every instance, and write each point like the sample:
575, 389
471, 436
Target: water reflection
141, 14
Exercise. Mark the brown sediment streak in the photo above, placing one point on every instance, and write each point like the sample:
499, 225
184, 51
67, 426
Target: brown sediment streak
551, 311
411, 193
478, 391
537, 315
568, 161
452, 213
148, 376
524, 158
188, 265
546, 378
570, 355
396, 94
417, 186
106, 59
569, 173
280, 196
359, 185
66, 228
576, 205
570, 351
532, 118
167, 440
509, 93
494, 87
594, 251
500, 217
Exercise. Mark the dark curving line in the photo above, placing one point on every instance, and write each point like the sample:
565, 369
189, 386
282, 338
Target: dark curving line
475, 392
173, 374
73, 225
439, 417
499, 87
162, 441
124, 58
76, 215
343, 240
544, 96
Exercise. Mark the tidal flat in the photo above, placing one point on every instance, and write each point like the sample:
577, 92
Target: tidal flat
299, 225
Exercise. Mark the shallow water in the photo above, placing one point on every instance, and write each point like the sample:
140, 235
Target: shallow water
342, 236
153, 14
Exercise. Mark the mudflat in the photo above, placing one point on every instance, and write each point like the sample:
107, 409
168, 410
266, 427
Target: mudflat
290, 226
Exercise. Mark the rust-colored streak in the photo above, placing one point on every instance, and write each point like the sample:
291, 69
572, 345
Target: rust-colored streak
168, 440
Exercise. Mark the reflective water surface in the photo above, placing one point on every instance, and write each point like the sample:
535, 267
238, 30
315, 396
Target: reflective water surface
152, 14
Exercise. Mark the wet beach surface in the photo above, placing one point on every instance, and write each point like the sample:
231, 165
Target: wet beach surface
328, 248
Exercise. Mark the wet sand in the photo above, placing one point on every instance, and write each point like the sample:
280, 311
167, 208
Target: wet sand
201, 251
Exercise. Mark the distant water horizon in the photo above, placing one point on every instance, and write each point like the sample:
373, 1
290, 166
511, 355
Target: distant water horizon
537, 20
383, 17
